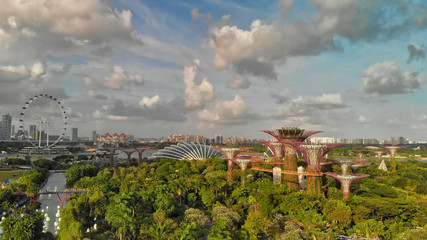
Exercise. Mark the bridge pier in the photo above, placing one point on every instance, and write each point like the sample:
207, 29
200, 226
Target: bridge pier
34, 200
62, 200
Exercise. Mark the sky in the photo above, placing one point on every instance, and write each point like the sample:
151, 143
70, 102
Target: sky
349, 68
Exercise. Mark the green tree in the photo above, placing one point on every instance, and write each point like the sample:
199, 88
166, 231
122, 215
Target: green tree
196, 216
221, 212
369, 229
26, 227
119, 215
257, 225
337, 210
162, 228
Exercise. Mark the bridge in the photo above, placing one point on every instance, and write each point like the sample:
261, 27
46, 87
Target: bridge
57, 192
287, 172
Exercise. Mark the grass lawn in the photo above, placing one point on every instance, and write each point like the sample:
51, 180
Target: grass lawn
4, 175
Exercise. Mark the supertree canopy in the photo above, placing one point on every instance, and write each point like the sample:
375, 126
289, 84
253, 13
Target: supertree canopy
230, 154
313, 154
284, 136
346, 180
277, 149
393, 152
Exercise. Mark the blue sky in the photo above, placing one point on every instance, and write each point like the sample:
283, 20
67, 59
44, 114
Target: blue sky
353, 69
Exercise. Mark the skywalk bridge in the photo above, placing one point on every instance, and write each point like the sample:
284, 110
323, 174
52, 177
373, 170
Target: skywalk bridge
57, 192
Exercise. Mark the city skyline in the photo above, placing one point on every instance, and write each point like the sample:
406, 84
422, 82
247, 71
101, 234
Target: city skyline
349, 68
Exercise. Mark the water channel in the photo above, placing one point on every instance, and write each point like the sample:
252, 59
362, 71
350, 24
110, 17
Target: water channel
50, 202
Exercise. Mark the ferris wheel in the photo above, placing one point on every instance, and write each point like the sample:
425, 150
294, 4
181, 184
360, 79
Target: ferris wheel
42, 117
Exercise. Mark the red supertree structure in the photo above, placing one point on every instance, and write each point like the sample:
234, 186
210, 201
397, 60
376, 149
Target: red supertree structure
129, 154
278, 152
393, 152
140, 150
313, 154
379, 154
244, 161
360, 153
285, 136
345, 163
346, 180
230, 154
356, 166
111, 151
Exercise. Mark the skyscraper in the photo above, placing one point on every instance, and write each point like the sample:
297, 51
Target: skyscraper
6, 127
219, 139
74, 136
94, 135
33, 130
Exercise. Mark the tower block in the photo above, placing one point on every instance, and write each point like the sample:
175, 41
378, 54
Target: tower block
285, 136
230, 154
313, 154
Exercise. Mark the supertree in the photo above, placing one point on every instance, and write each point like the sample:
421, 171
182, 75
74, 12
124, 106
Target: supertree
230, 154
129, 154
360, 153
244, 161
285, 136
393, 152
140, 151
112, 151
345, 163
277, 149
313, 154
379, 154
346, 180
356, 166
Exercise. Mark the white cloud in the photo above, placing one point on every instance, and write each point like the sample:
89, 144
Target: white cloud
92, 20
302, 105
228, 112
37, 70
115, 80
233, 44
196, 95
97, 114
13, 73
149, 102
137, 79
387, 78
363, 119
273, 41
117, 118
239, 83
119, 76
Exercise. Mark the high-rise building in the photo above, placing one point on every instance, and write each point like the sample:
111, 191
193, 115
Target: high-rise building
94, 137
6, 127
74, 135
33, 132
219, 139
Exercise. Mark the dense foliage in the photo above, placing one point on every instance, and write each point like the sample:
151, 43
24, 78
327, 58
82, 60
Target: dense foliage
77, 172
192, 199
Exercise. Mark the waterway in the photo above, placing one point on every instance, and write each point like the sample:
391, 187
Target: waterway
50, 202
